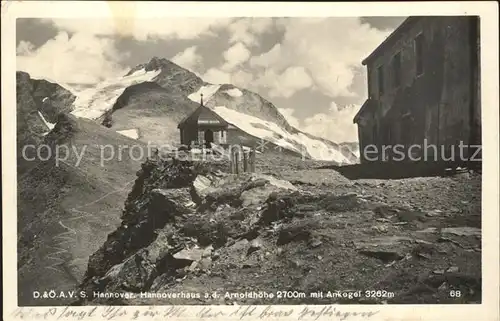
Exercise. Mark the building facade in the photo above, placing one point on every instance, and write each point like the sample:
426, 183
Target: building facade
203, 127
423, 91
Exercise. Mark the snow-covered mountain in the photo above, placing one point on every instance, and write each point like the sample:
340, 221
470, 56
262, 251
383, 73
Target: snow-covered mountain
148, 102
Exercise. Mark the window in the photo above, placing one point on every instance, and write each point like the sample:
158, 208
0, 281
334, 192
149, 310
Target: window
419, 54
223, 136
380, 80
396, 70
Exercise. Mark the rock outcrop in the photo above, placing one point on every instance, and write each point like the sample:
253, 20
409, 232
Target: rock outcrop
193, 228
176, 215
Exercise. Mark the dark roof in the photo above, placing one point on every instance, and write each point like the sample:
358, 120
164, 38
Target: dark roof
203, 116
393, 37
366, 106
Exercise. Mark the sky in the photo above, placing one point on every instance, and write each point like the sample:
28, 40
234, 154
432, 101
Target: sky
309, 68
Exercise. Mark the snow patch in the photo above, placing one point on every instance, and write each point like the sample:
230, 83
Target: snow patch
208, 91
50, 126
132, 133
93, 102
320, 150
234, 92
269, 131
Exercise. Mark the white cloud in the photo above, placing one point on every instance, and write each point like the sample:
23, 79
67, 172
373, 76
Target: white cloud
232, 70
144, 29
335, 124
217, 76
329, 49
24, 48
241, 78
81, 58
189, 58
235, 56
287, 83
246, 30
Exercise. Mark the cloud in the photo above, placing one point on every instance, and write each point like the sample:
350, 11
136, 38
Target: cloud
189, 58
235, 56
24, 48
287, 83
81, 58
240, 78
145, 29
329, 49
335, 124
217, 76
247, 30
232, 70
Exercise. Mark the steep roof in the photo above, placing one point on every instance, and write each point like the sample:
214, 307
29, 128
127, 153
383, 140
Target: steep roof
203, 116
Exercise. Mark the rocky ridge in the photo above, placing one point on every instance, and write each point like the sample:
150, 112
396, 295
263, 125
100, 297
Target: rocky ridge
192, 228
35, 97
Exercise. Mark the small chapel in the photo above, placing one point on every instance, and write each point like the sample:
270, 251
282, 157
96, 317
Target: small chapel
203, 127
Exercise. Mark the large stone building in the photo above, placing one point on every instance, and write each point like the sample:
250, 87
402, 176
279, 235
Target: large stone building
423, 90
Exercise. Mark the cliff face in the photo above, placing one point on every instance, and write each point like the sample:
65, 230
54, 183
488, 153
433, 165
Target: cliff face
38, 101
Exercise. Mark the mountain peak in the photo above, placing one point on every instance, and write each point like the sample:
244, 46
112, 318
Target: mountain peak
156, 63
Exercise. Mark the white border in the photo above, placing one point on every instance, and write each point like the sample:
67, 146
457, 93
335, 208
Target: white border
488, 11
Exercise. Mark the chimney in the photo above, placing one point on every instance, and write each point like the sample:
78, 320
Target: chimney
201, 103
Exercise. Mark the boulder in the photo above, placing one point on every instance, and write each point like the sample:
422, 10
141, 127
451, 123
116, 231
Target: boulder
410, 216
255, 245
462, 231
302, 231
258, 195
388, 248
246, 189
176, 201
200, 188
193, 254
386, 211
341, 203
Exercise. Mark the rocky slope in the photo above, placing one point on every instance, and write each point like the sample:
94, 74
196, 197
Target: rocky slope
153, 97
67, 205
38, 102
190, 229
